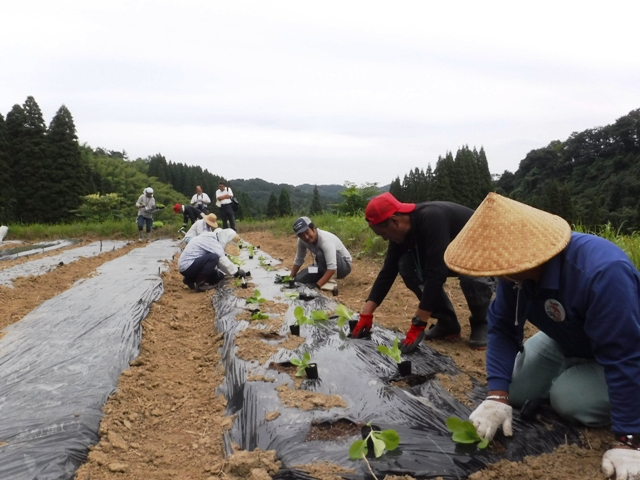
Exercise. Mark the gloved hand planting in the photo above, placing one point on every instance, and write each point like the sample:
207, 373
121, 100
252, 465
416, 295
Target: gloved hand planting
240, 273
363, 327
621, 462
491, 415
415, 335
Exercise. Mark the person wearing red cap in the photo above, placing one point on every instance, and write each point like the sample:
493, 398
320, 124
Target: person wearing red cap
418, 236
188, 213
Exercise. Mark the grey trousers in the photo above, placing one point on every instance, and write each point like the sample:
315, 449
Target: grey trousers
576, 387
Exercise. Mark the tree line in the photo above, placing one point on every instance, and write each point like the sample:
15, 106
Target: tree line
463, 179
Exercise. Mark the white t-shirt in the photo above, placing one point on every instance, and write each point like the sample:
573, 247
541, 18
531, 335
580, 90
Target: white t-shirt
330, 245
226, 200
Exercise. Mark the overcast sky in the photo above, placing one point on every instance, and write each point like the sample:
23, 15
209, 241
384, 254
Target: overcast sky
322, 92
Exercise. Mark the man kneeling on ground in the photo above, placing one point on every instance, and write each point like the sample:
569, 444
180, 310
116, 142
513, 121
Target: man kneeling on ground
331, 259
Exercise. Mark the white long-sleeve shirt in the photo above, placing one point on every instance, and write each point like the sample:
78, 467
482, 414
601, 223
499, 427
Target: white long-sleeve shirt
203, 243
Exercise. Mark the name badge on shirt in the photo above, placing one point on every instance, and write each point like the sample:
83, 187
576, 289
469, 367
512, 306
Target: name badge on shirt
313, 269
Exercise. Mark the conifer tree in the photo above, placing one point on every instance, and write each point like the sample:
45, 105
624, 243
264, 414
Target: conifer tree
284, 203
272, 206
316, 206
443, 179
67, 174
395, 189
7, 195
30, 162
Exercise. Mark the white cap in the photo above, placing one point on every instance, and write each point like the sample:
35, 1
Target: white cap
148, 190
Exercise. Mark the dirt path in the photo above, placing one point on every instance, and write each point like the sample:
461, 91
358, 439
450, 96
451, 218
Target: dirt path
166, 421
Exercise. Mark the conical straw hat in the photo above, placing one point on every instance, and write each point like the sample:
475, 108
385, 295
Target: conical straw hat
505, 237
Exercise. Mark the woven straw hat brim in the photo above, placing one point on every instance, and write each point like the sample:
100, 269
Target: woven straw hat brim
504, 237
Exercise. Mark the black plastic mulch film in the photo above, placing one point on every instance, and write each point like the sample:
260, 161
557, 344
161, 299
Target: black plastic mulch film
60, 363
47, 264
361, 376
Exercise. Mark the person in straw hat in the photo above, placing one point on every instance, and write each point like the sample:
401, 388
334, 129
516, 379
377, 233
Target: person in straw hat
207, 224
418, 236
203, 262
583, 294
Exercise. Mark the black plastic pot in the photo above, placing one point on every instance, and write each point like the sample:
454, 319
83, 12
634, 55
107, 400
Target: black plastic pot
291, 284
244, 284
311, 371
404, 368
250, 257
364, 431
352, 325
295, 330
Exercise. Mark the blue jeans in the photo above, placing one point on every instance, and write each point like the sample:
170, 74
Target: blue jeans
576, 387
144, 221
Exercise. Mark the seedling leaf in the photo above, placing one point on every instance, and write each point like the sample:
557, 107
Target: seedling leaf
358, 450
319, 315
390, 438
393, 352
465, 432
378, 446
343, 314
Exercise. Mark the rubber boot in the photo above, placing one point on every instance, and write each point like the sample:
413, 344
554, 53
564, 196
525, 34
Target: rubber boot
189, 283
478, 337
201, 283
140, 236
148, 237
447, 328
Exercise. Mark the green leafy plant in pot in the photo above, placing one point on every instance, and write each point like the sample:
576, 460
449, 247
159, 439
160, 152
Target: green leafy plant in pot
395, 354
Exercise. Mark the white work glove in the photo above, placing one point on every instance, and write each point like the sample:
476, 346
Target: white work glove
621, 462
489, 416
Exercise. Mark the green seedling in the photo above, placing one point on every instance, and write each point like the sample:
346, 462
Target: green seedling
256, 298
344, 315
301, 318
259, 316
319, 315
252, 250
236, 260
384, 440
392, 352
301, 363
292, 295
287, 279
237, 282
464, 432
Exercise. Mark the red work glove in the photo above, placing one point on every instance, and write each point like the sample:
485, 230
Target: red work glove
363, 327
415, 335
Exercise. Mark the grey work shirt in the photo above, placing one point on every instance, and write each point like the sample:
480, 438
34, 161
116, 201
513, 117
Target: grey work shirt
330, 245
146, 206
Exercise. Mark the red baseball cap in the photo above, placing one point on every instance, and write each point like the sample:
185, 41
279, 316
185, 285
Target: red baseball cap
384, 206
177, 207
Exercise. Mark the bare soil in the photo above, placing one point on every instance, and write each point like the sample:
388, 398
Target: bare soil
166, 421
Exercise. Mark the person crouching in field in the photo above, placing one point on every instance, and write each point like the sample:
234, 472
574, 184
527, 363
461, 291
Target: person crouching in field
203, 262
583, 294
331, 259
146, 205
188, 213
207, 224
418, 236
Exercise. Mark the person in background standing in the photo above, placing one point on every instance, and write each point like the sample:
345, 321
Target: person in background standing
146, 205
223, 200
201, 200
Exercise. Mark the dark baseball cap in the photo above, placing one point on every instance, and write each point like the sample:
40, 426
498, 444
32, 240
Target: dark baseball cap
383, 206
301, 225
